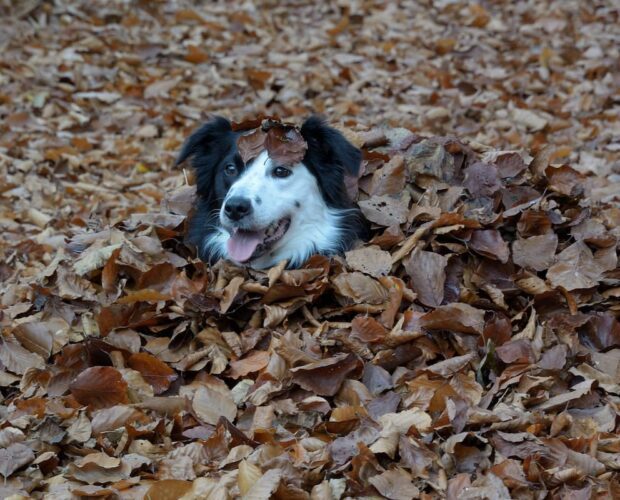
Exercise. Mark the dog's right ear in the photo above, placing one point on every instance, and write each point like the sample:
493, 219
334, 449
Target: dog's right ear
206, 147
205, 138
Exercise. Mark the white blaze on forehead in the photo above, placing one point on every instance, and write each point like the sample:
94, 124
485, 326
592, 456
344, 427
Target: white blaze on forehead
252, 179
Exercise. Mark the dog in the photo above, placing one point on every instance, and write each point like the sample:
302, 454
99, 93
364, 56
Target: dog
261, 210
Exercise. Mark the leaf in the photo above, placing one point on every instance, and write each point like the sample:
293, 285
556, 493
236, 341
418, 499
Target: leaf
452, 365
99, 468
251, 145
112, 418
395, 484
37, 337
254, 362
384, 210
71, 286
99, 387
285, 145
489, 242
360, 288
93, 258
428, 276
510, 165
17, 359
325, 377
390, 179
516, 351
160, 88
455, 317
367, 329
575, 268
577, 391
536, 253
428, 158
146, 295
565, 180
482, 179
13, 457
155, 372
249, 474
210, 404
264, 487
370, 260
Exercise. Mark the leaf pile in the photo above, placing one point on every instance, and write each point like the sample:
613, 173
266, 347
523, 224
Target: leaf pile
470, 349
472, 345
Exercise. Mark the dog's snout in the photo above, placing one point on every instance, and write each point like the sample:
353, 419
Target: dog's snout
236, 208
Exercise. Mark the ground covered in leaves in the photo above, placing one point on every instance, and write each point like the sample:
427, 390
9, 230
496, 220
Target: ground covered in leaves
471, 349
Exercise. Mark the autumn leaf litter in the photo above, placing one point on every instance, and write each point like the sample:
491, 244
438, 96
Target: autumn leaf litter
470, 349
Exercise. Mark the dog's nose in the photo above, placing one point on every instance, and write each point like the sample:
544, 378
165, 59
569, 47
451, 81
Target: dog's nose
237, 208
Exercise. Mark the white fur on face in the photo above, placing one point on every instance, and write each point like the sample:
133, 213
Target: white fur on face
314, 226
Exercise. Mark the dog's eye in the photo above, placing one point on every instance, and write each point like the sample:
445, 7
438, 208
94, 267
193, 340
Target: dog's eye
230, 170
281, 172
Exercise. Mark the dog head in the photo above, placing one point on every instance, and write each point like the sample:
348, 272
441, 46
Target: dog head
264, 210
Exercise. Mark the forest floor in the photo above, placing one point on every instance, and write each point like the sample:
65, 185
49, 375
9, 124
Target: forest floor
471, 349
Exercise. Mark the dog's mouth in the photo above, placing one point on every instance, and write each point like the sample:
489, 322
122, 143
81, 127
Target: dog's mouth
244, 245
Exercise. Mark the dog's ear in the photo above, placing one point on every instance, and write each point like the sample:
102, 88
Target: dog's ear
205, 138
207, 146
330, 146
331, 157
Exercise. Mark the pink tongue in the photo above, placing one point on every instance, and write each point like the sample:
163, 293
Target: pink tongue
241, 245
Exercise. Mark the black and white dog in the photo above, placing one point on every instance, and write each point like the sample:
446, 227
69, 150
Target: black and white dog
261, 212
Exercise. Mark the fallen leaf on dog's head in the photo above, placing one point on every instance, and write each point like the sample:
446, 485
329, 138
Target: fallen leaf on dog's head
285, 145
250, 145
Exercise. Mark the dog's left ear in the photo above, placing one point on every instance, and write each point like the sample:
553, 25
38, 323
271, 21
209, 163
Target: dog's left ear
329, 148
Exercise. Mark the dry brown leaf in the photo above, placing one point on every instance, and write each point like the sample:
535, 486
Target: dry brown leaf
13, 457
370, 260
395, 484
99, 387
575, 268
251, 363
457, 317
325, 377
385, 210
428, 276
285, 145
210, 404
154, 371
